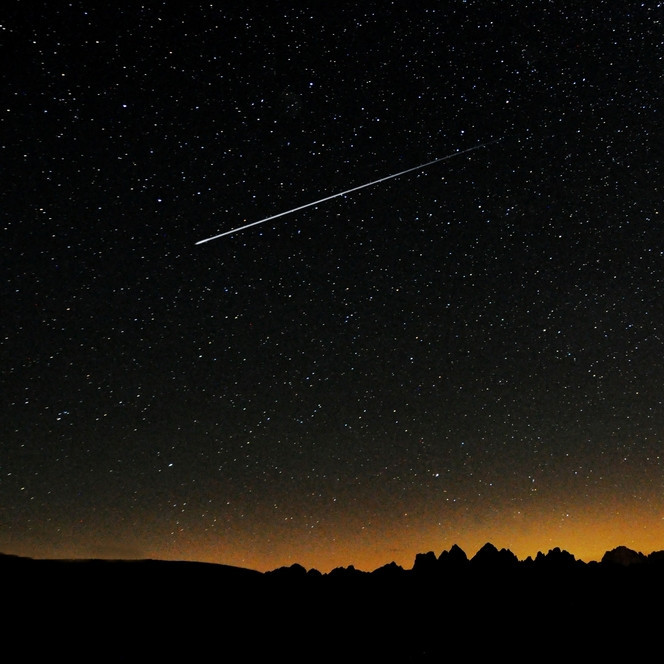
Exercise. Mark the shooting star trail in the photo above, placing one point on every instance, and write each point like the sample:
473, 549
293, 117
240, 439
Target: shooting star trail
348, 191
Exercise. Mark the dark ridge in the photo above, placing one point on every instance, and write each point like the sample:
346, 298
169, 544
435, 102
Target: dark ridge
489, 605
426, 565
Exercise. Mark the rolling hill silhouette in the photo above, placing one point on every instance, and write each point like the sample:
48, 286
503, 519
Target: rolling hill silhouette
487, 605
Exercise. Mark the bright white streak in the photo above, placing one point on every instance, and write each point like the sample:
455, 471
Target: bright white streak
348, 191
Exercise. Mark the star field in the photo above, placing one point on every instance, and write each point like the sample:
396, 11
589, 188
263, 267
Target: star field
468, 353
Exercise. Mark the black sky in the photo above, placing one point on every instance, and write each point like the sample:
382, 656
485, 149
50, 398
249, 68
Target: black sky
470, 352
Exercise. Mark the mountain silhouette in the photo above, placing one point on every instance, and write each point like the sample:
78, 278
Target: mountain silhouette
491, 604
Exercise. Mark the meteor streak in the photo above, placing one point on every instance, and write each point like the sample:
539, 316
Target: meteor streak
348, 191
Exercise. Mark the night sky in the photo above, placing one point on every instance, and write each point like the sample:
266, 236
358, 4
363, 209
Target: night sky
470, 352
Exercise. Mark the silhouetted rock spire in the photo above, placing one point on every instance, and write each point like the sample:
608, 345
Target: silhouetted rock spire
555, 559
454, 558
490, 558
621, 555
425, 563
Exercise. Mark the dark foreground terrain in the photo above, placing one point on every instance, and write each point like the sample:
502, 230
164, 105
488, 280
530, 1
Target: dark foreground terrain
446, 608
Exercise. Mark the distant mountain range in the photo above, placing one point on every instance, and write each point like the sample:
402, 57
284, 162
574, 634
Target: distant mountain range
447, 605
487, 558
